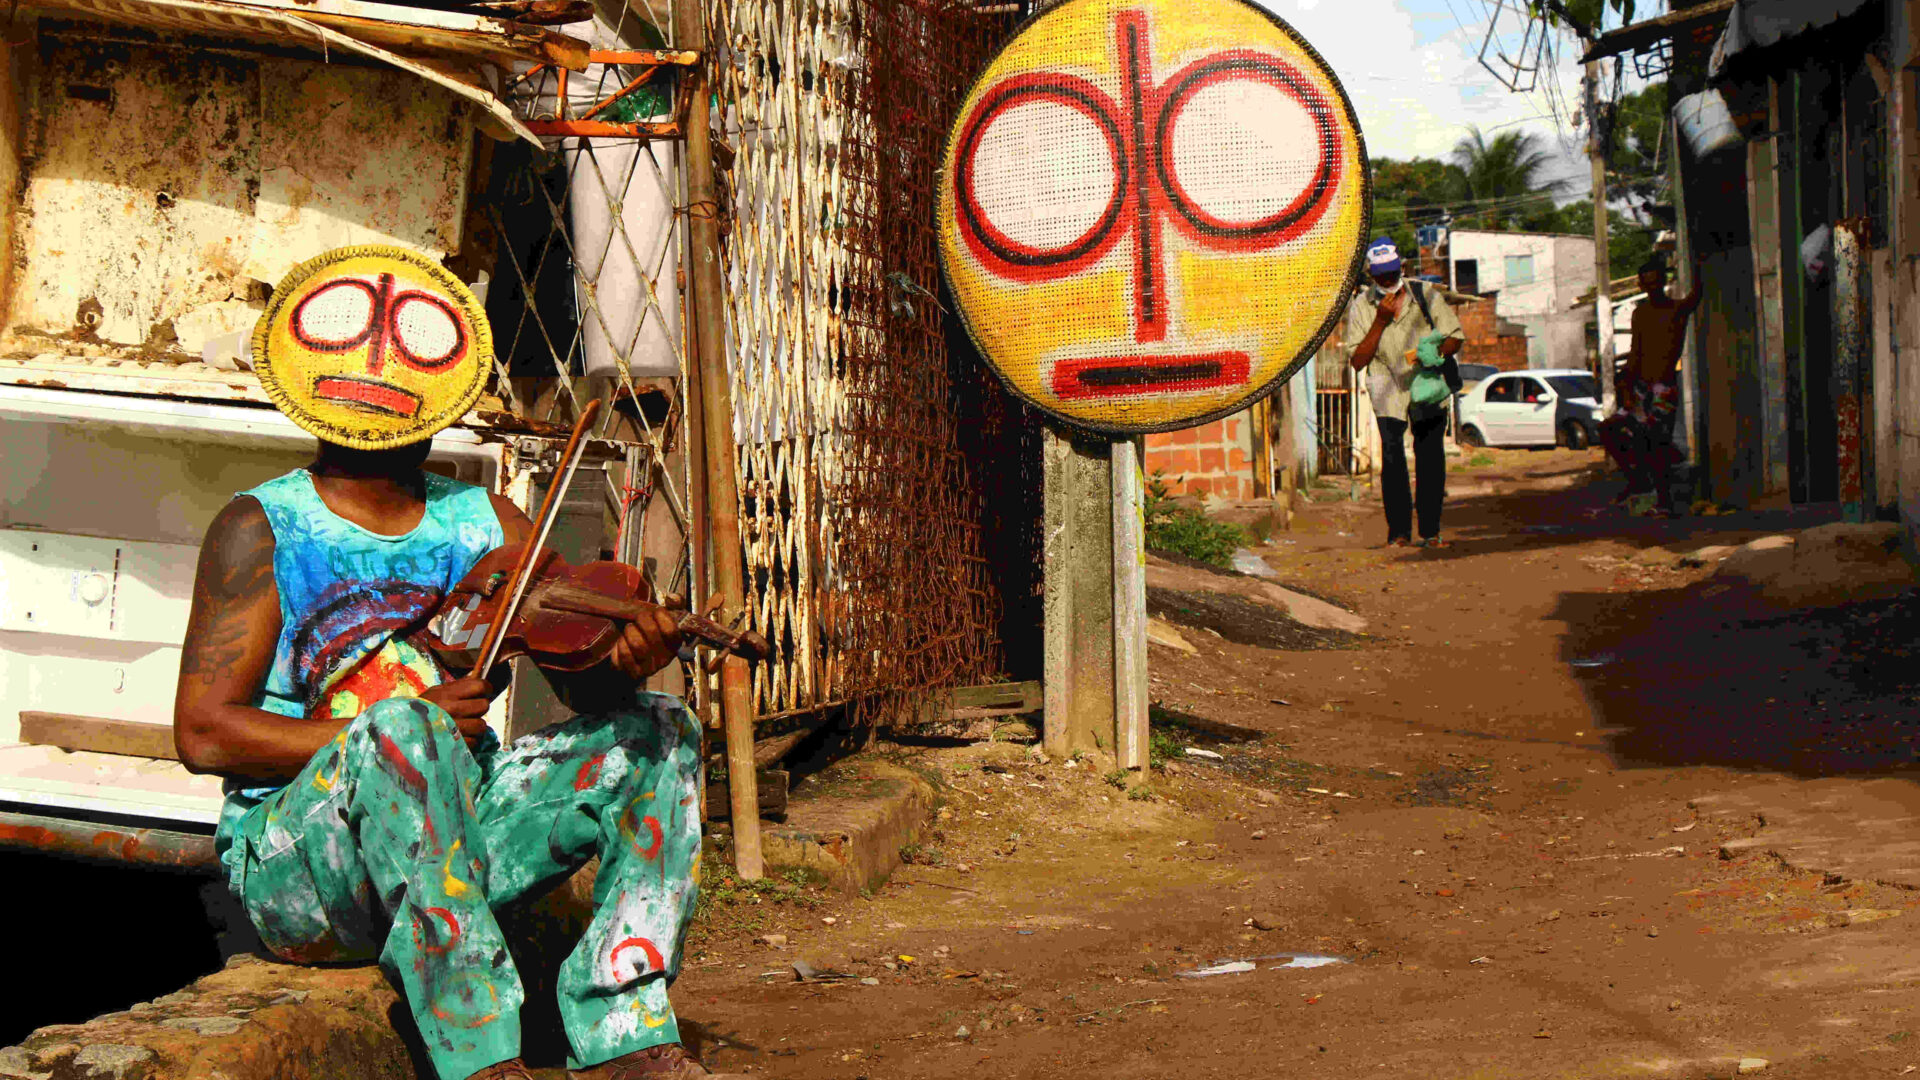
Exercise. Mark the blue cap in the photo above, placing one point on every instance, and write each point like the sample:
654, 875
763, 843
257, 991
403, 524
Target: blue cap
1382, 256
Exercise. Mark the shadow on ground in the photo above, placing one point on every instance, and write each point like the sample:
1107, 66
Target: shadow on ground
1706, 675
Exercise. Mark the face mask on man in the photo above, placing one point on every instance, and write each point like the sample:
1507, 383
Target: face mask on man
1399, 283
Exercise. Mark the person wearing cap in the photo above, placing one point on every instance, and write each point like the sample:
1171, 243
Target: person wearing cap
370, 811
1386, 321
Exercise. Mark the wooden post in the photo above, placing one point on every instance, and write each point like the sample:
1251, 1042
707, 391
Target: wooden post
1852, 358
716, 410
1129, 608
1602, 272
1260, 425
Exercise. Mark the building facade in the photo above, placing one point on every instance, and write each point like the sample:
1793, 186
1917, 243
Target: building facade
1534, 280
1802, 379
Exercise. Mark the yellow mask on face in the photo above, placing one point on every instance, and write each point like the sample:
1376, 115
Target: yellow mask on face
373, 347
1152, 210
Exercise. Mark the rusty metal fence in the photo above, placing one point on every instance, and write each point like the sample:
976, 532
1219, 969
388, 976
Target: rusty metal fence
862, 501
887, 486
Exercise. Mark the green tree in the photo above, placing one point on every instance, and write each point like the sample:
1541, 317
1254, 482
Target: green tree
1409, 194
1637, 153
1583, 17
1503, 167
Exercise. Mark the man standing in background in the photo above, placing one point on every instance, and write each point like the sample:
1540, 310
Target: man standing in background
1385, 323
1639, 436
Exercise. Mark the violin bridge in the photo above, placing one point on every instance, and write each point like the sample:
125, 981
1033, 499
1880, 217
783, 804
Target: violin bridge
452, 626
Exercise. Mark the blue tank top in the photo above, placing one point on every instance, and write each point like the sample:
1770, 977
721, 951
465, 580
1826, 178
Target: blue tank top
346, 592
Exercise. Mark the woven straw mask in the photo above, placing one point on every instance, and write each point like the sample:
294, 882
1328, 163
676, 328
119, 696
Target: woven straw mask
372, 347
1152, 211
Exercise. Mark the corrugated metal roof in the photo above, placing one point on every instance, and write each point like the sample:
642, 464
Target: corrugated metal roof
1760, 24
1642, 36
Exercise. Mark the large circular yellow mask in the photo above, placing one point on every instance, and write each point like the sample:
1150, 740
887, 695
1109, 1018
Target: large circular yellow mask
1152, 211
372, 347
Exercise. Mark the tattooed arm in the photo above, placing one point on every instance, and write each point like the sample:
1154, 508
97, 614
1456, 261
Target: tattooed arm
231, 632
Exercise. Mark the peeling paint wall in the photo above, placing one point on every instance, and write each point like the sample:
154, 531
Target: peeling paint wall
164, 186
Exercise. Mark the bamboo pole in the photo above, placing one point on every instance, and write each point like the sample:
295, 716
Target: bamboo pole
1260, 420
716, 409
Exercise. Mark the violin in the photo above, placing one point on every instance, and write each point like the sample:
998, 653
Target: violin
525, 600
569, 617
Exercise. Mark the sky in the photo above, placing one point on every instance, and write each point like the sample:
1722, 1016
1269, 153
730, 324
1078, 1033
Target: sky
1410, 67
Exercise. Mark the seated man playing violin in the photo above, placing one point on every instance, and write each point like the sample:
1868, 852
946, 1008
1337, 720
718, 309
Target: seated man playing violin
370, 811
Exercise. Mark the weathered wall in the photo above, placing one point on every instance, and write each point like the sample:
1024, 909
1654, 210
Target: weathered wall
166, 189
1902, 293
1562, 270
69, 478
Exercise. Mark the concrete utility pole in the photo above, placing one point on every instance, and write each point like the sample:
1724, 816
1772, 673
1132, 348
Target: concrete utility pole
1096, 598
1602, 273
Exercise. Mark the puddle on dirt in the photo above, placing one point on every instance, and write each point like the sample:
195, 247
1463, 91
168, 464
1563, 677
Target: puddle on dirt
1253, 963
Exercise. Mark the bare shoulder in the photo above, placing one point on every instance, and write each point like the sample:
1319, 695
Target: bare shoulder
237, 554
513, 521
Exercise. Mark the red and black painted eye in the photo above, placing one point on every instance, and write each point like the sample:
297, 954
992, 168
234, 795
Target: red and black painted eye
419, 329
1051, 172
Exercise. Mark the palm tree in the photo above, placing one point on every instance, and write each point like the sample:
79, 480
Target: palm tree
1502, 167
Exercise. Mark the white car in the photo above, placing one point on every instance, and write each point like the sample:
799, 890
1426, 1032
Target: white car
1532, 408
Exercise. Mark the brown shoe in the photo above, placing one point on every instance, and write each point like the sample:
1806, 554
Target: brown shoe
668, 1061
511, 1069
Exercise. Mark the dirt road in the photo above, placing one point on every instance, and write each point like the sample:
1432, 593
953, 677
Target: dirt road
1528, 809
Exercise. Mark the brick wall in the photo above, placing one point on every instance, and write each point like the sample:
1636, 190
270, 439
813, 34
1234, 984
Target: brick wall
1485, 343
1213, 459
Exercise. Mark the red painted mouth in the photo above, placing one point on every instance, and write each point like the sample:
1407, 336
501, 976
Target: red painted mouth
1125, 376
369, 394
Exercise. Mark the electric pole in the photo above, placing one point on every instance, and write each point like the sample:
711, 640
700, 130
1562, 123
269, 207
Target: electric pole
1602, 272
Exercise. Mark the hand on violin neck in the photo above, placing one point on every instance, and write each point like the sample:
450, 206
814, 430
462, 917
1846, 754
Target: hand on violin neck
647, 644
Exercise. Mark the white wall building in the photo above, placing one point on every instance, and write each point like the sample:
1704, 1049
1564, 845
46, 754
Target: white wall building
1534, 279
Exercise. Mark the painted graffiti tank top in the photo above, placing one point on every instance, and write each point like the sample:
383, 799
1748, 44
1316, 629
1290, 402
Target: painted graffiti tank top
345, 592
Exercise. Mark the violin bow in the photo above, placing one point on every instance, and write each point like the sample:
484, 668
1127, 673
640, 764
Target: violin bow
542, 526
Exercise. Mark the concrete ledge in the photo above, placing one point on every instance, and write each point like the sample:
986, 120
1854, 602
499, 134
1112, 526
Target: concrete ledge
256, 1020
260, 1019
263, 1020
851, 831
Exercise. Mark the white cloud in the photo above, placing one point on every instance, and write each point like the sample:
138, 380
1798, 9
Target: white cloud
1412, 70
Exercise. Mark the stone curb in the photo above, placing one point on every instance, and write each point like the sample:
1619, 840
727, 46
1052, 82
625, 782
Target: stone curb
263, 1020
851, 836
256, 1020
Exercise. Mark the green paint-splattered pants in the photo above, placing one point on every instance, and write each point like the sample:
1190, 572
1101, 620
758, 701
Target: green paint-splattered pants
396, 842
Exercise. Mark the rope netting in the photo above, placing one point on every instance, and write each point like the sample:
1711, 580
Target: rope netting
583, 240
888, 486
